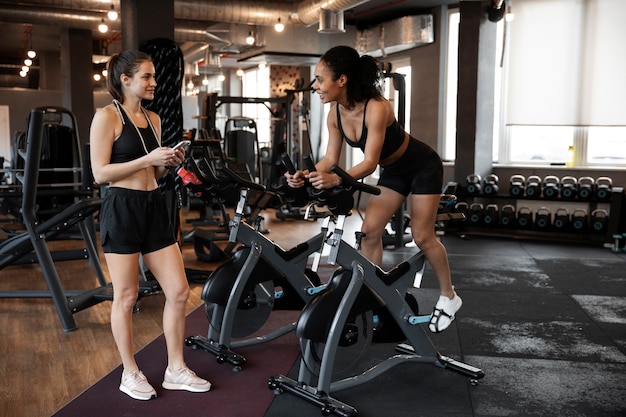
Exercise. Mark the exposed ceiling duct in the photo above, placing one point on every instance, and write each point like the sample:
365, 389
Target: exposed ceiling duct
86, 14
396, 35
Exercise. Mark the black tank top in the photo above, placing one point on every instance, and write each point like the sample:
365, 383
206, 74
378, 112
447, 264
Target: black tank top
133, 142
394, 136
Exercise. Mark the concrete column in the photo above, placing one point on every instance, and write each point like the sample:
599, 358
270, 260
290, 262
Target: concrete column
475, 99
143, 20
76, 78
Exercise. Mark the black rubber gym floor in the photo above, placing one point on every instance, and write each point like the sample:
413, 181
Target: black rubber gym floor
546, 322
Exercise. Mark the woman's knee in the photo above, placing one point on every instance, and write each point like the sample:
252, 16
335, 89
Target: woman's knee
125, 298
424, 239
178, 293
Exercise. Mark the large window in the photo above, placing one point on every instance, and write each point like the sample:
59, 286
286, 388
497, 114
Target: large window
562, 84
256, 83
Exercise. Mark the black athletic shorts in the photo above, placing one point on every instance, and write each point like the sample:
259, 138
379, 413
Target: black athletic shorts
134, 221
418, 171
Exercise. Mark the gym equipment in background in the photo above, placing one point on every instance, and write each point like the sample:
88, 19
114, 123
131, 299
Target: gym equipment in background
241, 145
551, 186
473, 185
490, 184
524, 218
561, 219
580, 220
18, 248
604, 188
533, 186
569, 187
543, 218
491, 215
508, 216
517, 185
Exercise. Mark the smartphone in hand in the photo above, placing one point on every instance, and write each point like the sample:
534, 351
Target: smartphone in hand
182, 143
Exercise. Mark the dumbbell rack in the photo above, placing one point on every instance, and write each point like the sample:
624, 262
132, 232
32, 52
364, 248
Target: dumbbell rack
615, 206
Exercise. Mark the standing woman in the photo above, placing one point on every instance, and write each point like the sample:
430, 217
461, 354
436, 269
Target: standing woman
126, 154
363, 118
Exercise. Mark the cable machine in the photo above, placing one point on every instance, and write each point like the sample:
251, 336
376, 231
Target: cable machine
280, 143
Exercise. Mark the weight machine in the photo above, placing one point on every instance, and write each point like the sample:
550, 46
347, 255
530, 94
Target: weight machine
18, 248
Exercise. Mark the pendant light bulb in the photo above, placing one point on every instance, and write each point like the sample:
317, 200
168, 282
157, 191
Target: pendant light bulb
103, 27
112, 14
279, 27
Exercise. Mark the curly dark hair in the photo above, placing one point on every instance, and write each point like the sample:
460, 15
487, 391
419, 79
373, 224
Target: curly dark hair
126, 62
363, 73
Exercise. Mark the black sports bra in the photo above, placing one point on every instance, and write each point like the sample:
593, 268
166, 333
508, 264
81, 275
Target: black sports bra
394, 136
134, 141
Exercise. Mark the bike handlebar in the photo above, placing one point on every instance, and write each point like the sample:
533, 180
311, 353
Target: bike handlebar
348, 182
240, 180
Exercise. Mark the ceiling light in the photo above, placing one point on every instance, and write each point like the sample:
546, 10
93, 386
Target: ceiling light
31, 52
112, 14
23, 74
103, 27
279, 27
97, 77
28, 62
205, 81
221, 77
25, 68
250, 38
239, 72
105, 72
190, 86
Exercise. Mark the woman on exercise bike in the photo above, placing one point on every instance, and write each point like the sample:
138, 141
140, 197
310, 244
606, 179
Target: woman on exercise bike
363, 118
126, 154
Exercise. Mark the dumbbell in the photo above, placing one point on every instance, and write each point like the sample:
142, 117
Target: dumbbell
491, 214
476, 213
561, 219
618, 243
604, 188
586, 188
490, 184
599, 220
569, 187
473, 184
551, 186
507, 215
517, 185
579, 219
533, 186
524, 218
543, 218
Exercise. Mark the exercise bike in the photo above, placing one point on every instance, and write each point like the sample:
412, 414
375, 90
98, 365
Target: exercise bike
259, 277
344, 315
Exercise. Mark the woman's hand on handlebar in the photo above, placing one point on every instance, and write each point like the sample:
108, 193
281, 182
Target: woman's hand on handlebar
323, 180
297, 179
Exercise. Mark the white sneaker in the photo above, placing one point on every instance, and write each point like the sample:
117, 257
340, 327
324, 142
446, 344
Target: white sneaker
136, 386
185, 379
443, 314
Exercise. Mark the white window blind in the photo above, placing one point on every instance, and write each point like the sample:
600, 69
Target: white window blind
567, 63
